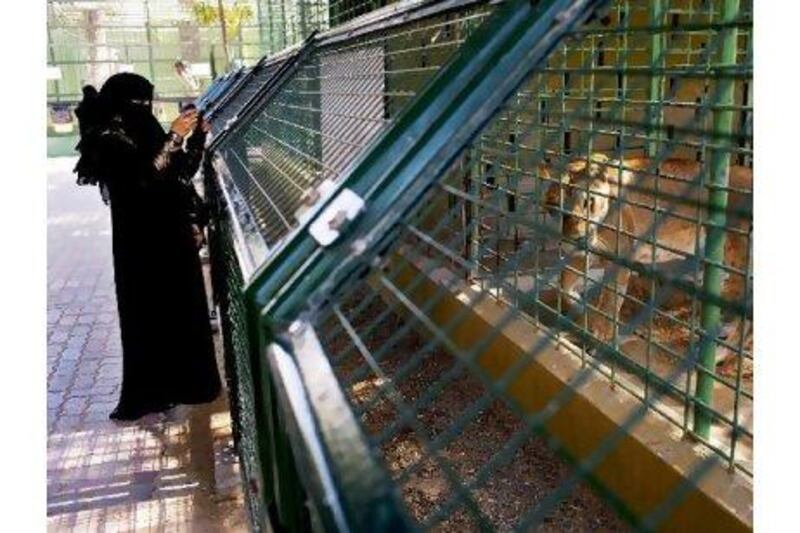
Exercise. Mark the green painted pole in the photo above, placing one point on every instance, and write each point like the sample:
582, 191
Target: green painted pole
284, 26
270, 15
148, 30
474, 180
711, 312
303, 23
655, 110
261, 39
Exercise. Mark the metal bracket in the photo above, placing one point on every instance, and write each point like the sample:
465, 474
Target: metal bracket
311, 198
330, 224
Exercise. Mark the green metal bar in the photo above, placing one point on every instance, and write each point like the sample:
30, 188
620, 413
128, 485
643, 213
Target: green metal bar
589, 143
655, 112
474, 234
288, 492
52, 53
271, 29
240, 38
715, 239
213, 63
284, 43
624, 17
260, 17
468, 217
351, 490
295, 443
303, 25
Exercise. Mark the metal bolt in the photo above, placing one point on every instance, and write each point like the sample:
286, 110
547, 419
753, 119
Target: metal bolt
310, 197
338, 220
358, 247
295, 328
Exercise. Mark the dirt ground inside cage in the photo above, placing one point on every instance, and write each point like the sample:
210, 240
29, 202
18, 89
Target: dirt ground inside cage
528, 472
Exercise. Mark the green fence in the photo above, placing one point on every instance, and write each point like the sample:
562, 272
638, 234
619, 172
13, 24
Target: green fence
486, 265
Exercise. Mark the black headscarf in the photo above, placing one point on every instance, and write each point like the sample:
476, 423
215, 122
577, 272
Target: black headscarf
123, 98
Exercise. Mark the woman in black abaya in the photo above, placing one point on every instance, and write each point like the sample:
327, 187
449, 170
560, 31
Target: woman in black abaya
168, 354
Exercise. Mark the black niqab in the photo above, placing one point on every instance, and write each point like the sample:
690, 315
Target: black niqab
122, 92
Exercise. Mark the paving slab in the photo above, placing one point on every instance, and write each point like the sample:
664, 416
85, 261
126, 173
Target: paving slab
166, 472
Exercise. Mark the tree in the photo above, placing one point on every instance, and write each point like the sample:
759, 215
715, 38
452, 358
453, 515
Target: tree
230, 18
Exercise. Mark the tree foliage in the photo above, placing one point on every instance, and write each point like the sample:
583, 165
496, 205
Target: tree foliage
236, 15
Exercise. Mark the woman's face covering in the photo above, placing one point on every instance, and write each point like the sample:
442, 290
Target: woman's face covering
147, 104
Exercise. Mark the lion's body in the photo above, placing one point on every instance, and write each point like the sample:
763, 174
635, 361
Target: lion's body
646, 216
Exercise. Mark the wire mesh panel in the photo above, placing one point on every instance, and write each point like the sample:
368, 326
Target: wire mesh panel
238, 371
338, 100
463, 458
286, 23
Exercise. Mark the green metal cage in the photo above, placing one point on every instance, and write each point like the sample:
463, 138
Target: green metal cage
487, 266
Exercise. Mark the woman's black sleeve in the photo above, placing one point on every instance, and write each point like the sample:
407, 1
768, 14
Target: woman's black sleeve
169, 159
172, 161
119, 154
114, 151
195, 206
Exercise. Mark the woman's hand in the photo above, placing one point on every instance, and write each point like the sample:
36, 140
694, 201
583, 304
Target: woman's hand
185, 123
199, 237
205, 125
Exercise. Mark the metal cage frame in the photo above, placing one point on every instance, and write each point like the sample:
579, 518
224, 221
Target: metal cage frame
307, 459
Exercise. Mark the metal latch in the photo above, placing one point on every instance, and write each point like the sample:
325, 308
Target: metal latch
329, 225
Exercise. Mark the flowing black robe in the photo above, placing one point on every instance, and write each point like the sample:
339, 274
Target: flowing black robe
168, 352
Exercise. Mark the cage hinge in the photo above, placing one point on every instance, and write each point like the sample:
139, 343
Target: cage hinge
333, 220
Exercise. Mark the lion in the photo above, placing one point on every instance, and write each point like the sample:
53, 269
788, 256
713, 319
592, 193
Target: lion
609, 206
